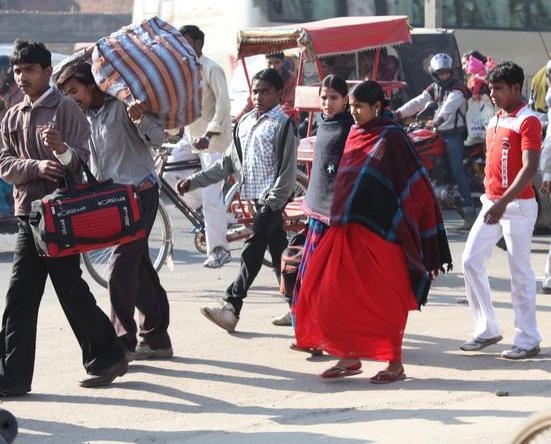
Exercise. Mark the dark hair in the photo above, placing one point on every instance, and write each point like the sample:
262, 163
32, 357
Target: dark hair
370, 92
335, 82
277, 55
329, 60
508, 72
35, 52
271, 76
83, 74
193, 31
476, 54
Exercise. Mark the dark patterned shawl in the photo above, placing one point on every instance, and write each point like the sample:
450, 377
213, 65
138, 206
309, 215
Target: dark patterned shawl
382, 185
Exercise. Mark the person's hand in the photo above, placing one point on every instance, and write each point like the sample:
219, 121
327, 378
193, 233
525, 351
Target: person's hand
495, 212
201, 143
52, 139
429, 124
183, 186
396, 116
546, 186
50, 170
136, 111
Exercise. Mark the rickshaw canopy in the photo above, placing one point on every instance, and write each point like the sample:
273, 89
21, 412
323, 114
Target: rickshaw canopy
332, 36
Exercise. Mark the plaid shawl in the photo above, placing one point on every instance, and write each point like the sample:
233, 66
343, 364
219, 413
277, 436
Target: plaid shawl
382, 185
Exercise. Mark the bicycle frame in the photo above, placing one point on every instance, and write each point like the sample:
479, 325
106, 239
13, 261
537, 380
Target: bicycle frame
161, 167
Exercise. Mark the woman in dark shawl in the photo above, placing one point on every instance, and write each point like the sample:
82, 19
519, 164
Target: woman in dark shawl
376, 261
329, 145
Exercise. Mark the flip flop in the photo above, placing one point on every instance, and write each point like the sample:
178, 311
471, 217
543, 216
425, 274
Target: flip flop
312, 351
386, 377
340, 371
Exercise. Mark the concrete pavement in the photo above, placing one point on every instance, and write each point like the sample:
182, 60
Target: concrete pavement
249, 387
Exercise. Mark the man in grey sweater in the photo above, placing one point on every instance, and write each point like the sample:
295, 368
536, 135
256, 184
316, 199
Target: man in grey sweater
263, 158
120, 144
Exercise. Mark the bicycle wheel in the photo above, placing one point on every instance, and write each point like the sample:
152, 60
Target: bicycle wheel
536, 431
160, 245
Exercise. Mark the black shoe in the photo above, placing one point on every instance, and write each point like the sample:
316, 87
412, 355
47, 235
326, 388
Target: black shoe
13, 392
106, 376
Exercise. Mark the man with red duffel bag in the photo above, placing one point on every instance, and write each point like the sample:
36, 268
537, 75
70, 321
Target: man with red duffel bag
120, 142
34, 134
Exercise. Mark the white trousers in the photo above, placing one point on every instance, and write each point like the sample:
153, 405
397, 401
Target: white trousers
516, 226
214, 210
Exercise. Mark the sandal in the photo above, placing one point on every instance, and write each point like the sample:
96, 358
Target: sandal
312, 351
386, 377
340, 371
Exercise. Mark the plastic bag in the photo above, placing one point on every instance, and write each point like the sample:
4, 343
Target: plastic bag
479, 113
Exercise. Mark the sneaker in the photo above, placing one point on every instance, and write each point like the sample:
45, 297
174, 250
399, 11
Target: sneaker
217, 258
222, 315
479, 343
283, 320
144, 351
520, 353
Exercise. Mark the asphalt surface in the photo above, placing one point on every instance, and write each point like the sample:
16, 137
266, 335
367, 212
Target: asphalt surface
249, 387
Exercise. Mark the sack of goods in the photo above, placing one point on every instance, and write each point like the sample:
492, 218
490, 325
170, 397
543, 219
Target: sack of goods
84, 217
181, 164
149, 62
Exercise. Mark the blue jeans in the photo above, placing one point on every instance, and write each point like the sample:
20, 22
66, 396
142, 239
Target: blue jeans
454, 152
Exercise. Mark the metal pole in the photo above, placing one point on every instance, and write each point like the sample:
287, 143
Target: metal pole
433, 14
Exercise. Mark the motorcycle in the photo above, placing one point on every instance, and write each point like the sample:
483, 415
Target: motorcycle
431, 148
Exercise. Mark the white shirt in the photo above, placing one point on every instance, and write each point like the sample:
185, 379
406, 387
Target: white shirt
215, 107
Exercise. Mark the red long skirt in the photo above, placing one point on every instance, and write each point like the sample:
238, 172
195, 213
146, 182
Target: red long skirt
355, 296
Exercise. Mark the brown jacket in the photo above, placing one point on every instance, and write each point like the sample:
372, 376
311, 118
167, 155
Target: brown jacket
23, 148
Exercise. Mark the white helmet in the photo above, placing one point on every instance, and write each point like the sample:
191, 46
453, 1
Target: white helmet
440, 61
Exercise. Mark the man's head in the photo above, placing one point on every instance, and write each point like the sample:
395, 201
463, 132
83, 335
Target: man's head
441, 69
275, 61
32, 67
195, 37
266, 89
505, 81
81, 86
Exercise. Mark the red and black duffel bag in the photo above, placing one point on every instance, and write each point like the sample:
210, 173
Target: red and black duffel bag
84, 217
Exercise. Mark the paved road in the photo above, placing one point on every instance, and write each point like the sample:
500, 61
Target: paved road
248, 387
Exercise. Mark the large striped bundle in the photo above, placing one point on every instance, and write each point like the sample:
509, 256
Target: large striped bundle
151, 62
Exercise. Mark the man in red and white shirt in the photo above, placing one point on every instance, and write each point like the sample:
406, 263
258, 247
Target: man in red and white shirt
509, 209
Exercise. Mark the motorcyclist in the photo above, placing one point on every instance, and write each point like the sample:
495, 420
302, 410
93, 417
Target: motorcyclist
450, 94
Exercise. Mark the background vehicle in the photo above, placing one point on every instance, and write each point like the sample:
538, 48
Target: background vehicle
501, 29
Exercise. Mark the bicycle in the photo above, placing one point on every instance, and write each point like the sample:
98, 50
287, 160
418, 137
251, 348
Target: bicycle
537, 429
160, 240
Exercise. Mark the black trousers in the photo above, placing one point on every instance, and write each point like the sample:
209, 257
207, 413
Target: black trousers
134, 283
268, 233
92, 328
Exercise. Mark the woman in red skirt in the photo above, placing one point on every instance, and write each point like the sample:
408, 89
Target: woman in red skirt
375, 262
